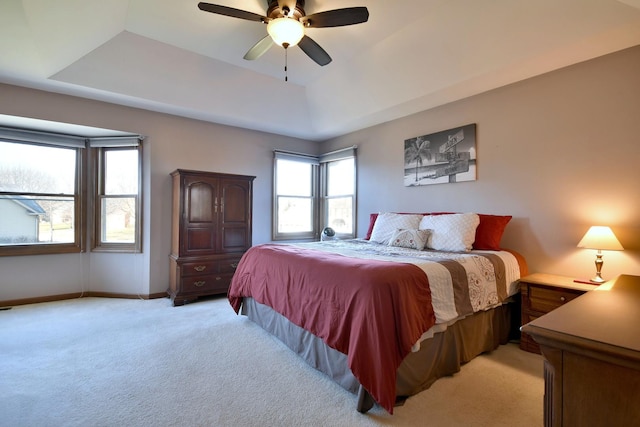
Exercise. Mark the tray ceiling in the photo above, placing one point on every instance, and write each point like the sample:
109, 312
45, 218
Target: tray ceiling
168, 56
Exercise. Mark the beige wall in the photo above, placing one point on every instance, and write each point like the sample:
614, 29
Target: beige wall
171, 142
559, 152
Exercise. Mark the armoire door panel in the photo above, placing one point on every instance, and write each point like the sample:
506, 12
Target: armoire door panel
236, 201
234, 239
201, 203
200, 239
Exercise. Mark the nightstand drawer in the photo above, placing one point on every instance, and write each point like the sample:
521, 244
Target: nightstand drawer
544, 299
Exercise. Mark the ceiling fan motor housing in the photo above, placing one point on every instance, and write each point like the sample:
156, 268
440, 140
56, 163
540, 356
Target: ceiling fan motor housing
274, 11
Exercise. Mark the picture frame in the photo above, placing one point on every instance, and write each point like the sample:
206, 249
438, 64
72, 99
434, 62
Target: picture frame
443, 157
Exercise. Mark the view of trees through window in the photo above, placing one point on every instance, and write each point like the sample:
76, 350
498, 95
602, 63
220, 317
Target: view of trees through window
340, 192
118, 203
294, 196
42, 196
37, 202
314, 192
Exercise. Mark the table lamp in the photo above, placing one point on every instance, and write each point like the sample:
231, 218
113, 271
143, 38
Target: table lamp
600, 238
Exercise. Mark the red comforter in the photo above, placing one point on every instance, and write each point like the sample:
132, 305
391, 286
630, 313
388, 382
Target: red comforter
372, 311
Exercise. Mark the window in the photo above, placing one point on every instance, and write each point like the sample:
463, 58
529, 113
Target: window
40, 203
44, 202
339, 196
311, 193
117, 201
295, 182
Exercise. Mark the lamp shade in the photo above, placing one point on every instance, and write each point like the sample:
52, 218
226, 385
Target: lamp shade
601, 238
285, 32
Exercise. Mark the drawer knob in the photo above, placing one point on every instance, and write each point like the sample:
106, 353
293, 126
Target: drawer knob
200, 268
218, 278
199, 283
563, 299
234, 265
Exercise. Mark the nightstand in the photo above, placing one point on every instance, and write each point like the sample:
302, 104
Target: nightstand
541, 293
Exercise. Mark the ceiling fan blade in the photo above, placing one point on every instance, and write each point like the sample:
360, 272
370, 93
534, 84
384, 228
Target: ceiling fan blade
259, 48
336, 18
314, 51
230, 11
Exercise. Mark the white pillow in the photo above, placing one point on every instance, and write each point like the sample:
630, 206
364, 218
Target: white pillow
387, 223
451, 232
412, 239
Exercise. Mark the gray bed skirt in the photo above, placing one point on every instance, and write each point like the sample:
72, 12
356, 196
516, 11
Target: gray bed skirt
439, 356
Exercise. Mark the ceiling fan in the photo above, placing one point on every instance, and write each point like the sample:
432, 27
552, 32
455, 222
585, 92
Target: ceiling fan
286, 21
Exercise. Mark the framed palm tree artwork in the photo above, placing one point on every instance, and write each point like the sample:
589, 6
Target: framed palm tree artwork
441, 157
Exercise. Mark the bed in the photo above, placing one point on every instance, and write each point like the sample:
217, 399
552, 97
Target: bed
386, 315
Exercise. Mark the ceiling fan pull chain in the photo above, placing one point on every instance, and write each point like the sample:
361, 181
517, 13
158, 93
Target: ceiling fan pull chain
286, 62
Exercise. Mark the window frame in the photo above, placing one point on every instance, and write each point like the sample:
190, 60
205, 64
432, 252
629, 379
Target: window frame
79, 198
324, 202
313, 234
319, 198
98, 155
85, 185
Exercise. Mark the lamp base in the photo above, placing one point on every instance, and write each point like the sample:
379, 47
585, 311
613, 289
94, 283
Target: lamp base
599, 262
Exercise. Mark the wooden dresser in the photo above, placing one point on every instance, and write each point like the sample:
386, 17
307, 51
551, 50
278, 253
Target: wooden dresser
211, 229
591, 348
542, 293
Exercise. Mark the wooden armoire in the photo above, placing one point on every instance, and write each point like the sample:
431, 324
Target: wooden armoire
211, 229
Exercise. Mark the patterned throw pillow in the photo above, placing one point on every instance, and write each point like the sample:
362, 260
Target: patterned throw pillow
412, 239
387, 223
451, 232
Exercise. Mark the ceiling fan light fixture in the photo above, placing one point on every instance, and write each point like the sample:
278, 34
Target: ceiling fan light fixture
285, 31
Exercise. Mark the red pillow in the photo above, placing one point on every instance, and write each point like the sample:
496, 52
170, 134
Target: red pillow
488, 234
489, 231
372, 222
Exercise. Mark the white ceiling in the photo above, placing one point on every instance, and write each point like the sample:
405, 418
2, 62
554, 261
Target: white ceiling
168, 56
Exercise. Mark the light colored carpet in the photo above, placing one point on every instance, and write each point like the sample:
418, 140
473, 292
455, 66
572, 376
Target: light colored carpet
115, 362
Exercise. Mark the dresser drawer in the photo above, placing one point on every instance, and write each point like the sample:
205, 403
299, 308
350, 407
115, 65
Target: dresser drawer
224, 265
228, 265
213, 283
543, 299
198, 268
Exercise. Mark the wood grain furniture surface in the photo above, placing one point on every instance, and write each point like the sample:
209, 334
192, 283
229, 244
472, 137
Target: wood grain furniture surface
211, 229
542, 293
591, 348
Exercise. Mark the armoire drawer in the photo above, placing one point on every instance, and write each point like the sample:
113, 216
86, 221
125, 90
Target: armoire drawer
214, 283
198, 268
